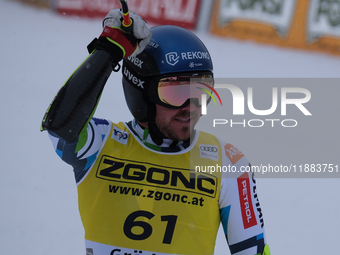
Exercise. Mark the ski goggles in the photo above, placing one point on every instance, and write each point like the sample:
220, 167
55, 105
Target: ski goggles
176, 91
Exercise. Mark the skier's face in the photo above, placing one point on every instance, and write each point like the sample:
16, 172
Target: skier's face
177, 124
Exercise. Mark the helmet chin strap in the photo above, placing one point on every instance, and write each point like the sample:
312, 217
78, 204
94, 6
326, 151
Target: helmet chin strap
156, 135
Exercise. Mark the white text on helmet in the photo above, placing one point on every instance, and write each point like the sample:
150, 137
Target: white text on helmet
136, 61
195, 55
133, 78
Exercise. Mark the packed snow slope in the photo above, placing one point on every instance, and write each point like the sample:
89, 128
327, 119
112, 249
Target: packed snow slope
39, 213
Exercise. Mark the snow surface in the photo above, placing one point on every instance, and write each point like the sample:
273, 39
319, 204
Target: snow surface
39, 213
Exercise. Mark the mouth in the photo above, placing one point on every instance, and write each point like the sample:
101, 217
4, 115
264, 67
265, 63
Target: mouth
183, 119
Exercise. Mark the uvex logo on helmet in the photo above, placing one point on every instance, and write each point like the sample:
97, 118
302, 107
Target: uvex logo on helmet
132, 78
136, 61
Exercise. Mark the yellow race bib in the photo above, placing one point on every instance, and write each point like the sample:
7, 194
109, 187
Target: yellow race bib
138, 198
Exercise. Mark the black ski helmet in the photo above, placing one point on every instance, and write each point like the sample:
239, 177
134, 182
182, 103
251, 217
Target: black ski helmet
172, 50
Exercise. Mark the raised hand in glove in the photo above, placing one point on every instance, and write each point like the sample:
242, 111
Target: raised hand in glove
116, 41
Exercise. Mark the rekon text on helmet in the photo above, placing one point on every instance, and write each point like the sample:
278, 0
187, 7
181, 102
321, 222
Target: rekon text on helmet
173, 69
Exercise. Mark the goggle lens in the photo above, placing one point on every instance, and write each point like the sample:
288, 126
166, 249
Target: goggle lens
177, 90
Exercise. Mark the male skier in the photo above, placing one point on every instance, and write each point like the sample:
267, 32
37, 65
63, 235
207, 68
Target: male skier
138, 190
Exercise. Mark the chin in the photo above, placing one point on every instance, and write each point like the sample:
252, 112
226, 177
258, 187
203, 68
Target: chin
184, 135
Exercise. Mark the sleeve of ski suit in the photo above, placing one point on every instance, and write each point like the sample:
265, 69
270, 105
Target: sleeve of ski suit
240, 209
82, 152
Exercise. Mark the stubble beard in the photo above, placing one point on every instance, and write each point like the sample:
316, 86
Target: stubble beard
183, 133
